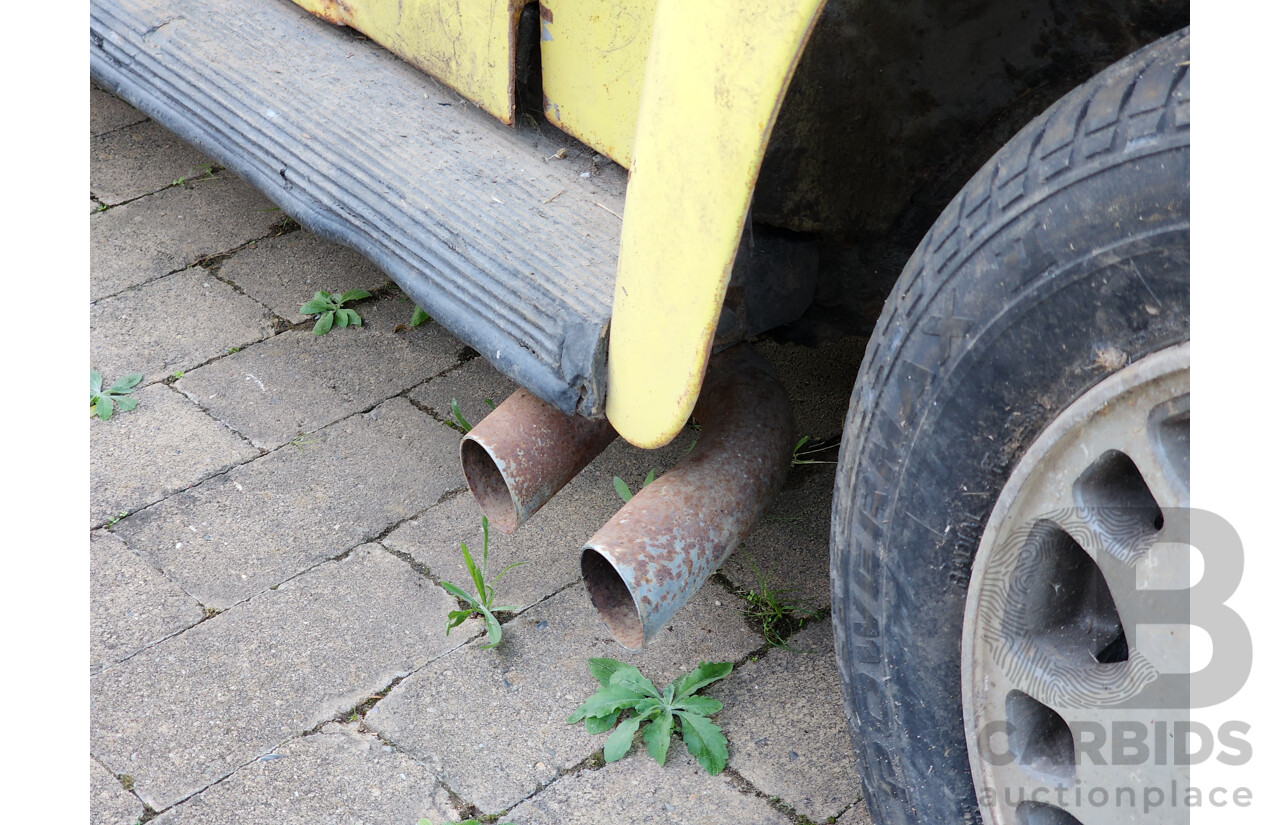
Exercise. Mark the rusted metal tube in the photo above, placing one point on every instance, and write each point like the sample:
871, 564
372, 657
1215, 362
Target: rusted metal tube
523, 452
656, 551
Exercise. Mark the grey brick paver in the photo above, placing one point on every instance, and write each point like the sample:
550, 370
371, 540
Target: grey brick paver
470, 384
784, 720
163, 445
131, 604
394, 312
109, 802
285, 271
108, 112
261, 523
183, 714
188, 713
790, 545
162, 233
338, 776
856, 815
491, 722
636, 791
298, 382
176, 322
140, 159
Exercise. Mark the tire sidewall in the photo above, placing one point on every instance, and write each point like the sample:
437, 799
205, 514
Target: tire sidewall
974, 359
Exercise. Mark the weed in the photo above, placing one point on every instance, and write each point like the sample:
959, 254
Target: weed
206, 172
463, 423
302, 441
463, 822
112, 521
492, 406
625, 689
329, 310
481, 603
232, 350
419, 318
778, 616
104, 402
624, 492
798, 452
178, 374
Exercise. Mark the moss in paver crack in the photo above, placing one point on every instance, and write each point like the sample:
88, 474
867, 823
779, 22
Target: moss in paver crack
357, 713
777, 612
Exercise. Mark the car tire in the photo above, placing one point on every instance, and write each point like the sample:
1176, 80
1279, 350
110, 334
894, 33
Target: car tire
1063, 261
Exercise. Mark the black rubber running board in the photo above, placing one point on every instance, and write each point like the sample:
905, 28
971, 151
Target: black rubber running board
511, 252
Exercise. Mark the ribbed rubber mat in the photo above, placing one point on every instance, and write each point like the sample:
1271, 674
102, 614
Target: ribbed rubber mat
514, 255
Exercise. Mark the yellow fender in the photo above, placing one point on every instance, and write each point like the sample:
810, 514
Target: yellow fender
714, 81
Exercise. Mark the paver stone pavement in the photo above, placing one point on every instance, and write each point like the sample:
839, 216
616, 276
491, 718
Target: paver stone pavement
270, 527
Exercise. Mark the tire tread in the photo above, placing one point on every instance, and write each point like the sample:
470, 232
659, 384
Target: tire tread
1139, 105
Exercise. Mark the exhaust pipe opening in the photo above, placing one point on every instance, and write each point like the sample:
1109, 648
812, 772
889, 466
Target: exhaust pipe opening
654, 554
612, 600
522, 453
488, 486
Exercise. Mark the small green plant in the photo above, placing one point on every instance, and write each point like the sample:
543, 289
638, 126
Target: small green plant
798, 453
462, 422
111, 521
178, 374
778, 615
491, 405
625, 690
419, 318
206, 171
329, 310
302, 441
481, 604
624, 492
463, 822
104, 402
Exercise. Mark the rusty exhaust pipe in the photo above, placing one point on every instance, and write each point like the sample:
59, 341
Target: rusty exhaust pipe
656, 551
522, 453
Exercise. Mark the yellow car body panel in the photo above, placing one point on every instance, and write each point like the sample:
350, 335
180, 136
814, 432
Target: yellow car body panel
469, 45
593, 65
685, 95
714, 80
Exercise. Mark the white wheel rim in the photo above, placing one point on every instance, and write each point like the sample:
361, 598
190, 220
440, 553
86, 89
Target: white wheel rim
1049, 644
